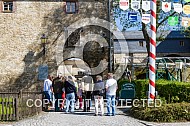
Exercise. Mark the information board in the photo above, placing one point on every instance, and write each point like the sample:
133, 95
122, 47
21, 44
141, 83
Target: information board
127, 91
42, 72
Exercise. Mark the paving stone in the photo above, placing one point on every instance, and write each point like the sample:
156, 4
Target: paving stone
80, 118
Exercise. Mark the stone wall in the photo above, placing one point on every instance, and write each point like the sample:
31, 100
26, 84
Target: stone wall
20, 45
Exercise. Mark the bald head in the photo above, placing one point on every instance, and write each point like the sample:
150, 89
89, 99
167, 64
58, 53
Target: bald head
110, 75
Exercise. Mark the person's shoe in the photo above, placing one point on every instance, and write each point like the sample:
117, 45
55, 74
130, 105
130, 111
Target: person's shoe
113, 114
80, 108
108, 114
101, 114
66, 112
95, 114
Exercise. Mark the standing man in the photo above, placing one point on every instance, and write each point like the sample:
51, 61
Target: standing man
70, 91
111, 87
58, 85
87, 87
48, 91
128, 74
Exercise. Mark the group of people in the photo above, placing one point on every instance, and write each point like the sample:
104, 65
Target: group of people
81, 92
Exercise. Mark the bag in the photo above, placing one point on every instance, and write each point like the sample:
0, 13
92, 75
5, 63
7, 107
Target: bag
101, 92
63, 95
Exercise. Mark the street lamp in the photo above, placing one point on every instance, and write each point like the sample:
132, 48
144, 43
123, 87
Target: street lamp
44, 41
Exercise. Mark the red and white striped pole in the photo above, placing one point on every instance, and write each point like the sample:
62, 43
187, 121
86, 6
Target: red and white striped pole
152, 53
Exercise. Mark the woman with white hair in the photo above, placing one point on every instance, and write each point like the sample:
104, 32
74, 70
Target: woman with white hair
98, 95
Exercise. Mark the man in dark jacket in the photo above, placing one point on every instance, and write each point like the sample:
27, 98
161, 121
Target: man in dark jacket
70, 91
58, 85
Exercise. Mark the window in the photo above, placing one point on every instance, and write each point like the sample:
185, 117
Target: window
182, 43
141, 43
71, 7
7, 6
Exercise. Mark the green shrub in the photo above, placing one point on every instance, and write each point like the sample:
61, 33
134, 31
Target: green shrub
171, 91
165, 113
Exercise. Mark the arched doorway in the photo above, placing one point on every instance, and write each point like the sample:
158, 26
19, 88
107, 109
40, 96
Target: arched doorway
73, 67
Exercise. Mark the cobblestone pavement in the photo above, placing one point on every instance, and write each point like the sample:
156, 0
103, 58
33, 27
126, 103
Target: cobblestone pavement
80, 118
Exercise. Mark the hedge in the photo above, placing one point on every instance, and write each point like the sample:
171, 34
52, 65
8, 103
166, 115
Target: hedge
171, 91
165, 113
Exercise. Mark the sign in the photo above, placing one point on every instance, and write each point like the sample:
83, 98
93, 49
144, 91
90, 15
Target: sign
185, 21
127, 86
132, 17
177, 7
127, 91
146, 18
135, 5
124, 4
146, 5
172, 21
166, 6
42, 72
186, 9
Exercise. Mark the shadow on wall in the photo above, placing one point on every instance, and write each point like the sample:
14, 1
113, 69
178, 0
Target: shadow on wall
29, 75
53, 25
57, 22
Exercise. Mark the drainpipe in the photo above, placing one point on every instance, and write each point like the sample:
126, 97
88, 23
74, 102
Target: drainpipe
110, 48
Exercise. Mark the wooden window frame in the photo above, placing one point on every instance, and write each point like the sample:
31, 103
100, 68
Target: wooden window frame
70, 6
8, 8
141, 43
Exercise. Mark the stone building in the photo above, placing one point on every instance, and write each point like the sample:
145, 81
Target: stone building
135, 52
175, 44
73, 28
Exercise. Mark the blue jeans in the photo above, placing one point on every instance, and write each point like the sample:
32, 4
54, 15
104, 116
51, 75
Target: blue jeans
70, 100
110, 103
47, 95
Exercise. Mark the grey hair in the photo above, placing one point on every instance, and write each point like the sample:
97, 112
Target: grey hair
98, 77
